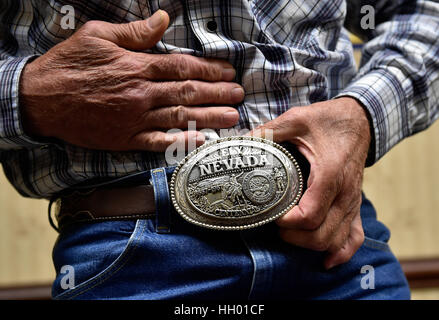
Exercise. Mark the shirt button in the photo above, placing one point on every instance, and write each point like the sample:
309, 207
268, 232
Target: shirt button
212, 25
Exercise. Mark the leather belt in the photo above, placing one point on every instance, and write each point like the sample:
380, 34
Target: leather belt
105, 204
232, 183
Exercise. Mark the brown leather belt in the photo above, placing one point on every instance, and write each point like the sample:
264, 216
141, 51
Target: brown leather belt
118, 201
105, 204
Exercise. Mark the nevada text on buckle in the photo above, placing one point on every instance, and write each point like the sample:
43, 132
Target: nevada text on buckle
236, 183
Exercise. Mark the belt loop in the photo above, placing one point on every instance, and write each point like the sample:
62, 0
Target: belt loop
159, 182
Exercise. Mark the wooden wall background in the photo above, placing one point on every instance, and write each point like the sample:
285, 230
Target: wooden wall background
26, 239
404, 187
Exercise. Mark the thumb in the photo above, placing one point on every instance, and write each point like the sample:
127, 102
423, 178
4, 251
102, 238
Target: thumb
136, 35
283, 128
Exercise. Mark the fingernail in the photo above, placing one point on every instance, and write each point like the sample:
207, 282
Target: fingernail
229, 74
230, 117
155, 20
237, 94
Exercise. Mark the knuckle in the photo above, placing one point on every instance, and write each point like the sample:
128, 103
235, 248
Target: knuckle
211, 72
221, 93
345, 256
151, 96
341, 239
132, 64
211, 117
312, 221
179, 115
148, 141
154, 141
319, 243
208, 117
182, 67
188, 92
155, 67
135, 97
91, 27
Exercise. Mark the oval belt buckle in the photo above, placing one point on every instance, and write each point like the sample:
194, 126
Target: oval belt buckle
236, 183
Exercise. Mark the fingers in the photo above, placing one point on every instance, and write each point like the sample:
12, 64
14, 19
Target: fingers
194, 93
141, 35
330, 235
184, 67
341, 232
315, 203
137, 35
205, 117
353, 243
284, 128
158, 141
178, 117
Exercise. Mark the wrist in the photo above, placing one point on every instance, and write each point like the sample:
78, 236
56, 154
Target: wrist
32, 107
360, 114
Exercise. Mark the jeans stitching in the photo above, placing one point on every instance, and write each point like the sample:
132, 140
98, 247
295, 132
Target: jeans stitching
120, 262
125, 260
376, 244
161, 195
254, 266
105, 219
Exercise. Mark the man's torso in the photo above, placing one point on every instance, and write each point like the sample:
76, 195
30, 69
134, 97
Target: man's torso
286, 53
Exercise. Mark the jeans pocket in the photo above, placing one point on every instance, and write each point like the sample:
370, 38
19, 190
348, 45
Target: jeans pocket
376, 244
88, 255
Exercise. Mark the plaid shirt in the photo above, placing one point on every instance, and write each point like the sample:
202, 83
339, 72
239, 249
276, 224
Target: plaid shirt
287, 53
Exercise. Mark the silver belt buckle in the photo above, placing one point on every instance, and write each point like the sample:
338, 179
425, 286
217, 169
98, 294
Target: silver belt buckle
236, 183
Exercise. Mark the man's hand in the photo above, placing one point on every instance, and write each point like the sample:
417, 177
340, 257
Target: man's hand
334, 136
94, 90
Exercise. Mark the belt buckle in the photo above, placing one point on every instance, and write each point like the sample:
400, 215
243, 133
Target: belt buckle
236, 183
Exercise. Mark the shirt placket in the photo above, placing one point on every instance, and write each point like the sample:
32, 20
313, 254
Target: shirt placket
205, 22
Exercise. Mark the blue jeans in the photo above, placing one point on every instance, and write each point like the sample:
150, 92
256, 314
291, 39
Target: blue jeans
135, 259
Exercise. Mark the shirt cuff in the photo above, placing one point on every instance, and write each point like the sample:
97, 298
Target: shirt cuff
382, 95
12, 135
